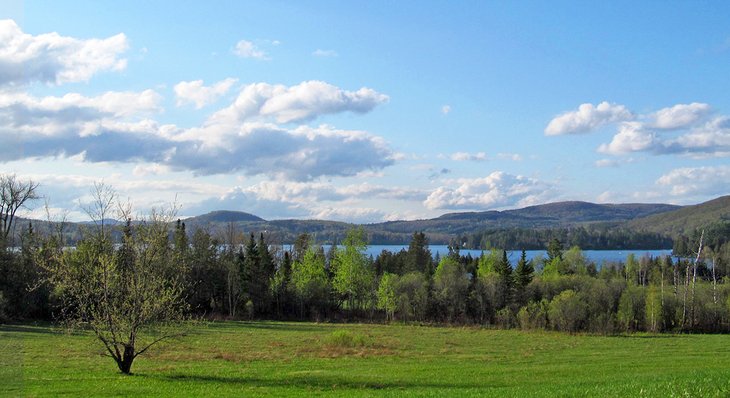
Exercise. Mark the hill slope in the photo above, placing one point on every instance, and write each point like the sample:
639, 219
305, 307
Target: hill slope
686, 219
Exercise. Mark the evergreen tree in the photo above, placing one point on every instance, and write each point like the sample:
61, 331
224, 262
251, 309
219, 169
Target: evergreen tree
504, 269
555, 250
419, 256
524, 271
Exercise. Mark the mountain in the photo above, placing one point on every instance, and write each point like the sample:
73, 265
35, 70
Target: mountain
442, 229
226, 216
664, 219
580, 212
686, 219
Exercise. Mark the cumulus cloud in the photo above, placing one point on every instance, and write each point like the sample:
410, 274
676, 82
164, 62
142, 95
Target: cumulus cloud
496, 190
587, 118
679, 116
682, 129
317, 191
359, 215
697, 181
303, 102
97, 130
632, 137
710, 139
54, 59
243, 199
194, 92
247, 49
465, 156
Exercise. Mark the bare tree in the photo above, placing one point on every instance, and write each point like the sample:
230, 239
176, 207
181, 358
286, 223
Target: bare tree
14, 194
103, 199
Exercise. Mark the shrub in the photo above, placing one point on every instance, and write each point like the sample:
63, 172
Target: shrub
347, 339
567, 312
534, 315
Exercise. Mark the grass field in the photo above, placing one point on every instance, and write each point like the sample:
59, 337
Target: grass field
306, 359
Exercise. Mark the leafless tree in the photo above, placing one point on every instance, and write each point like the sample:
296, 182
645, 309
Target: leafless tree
14, 194
103, 199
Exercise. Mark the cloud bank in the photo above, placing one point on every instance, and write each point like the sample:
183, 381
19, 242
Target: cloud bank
54, 59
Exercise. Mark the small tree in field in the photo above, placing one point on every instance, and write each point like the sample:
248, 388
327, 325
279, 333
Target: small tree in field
130, 297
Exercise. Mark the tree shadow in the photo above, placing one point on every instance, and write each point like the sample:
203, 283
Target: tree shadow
29, 329
294, 327
315, 381
649, 336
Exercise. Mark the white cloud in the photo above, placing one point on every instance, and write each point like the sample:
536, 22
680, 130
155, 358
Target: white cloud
243, 199
588, 118
299, 103
143, 170
196, 93
711, 139
359, 215
682, 129
465, 156
324, 53
697, 181
679, 116
607, 163
55, 59
114, 127
496, 190
632, 137
247, 49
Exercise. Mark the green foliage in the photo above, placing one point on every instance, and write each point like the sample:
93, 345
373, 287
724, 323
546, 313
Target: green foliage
632, 308
567, 311
387, 296
450, 288
310, 283
418, 257
534, 315
554, 249
412, 296
353, 276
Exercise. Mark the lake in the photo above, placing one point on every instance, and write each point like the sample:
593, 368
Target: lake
597, 256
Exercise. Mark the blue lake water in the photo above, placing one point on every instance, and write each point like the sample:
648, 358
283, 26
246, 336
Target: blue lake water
597, 256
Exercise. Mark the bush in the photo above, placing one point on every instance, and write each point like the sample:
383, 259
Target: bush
347, 339
534, 315
504, 318
567, 312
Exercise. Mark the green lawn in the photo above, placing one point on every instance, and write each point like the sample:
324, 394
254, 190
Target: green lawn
307, 359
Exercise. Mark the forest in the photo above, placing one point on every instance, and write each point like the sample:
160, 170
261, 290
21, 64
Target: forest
238, 275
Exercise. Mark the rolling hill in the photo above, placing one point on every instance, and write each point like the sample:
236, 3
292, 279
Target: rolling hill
686, 219
443, 228
669, 220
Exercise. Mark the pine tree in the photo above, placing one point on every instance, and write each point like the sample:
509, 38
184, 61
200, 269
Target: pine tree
524, 271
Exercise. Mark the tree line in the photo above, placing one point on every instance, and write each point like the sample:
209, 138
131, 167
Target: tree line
593, 237
159, 273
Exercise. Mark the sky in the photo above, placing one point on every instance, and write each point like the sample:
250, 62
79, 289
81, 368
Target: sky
365, 111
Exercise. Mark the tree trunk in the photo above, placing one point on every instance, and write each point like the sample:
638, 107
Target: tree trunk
125, 363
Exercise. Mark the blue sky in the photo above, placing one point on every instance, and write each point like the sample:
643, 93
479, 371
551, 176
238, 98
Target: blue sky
368, 111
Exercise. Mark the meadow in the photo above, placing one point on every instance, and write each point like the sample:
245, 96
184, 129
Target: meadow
314, 359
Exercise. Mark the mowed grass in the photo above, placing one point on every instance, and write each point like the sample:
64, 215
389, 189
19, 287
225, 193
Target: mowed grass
307, 359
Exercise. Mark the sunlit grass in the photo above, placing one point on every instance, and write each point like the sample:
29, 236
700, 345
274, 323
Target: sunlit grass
305, 359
